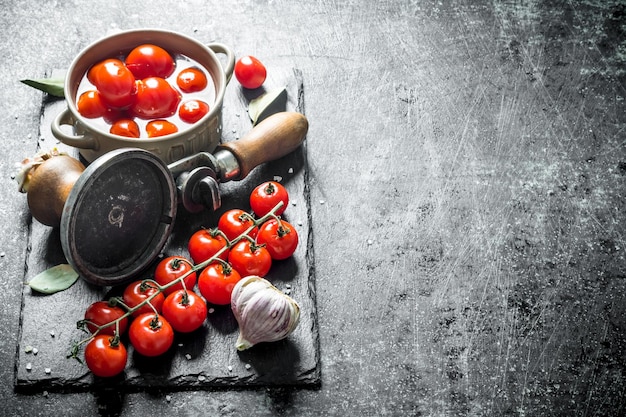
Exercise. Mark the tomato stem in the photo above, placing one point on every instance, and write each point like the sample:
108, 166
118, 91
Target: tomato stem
150, 283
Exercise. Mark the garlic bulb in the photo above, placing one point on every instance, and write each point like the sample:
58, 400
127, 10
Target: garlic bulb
264, 313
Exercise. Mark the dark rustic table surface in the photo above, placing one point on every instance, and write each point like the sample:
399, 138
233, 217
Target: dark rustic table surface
467, 168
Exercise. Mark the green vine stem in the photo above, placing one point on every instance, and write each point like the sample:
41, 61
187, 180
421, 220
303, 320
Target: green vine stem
160, 288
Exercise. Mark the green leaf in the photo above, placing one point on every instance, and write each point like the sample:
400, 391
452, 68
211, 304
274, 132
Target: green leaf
55, 279
52, 86
269, 103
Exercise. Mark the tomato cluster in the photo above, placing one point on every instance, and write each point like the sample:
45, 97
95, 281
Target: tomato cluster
150, 312
143, 86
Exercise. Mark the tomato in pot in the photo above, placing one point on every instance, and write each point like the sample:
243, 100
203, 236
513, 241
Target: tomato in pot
169, 103
125, 127
156, 128
150, 61
155, 98
191, 80
192, 110
114, 82
90, 105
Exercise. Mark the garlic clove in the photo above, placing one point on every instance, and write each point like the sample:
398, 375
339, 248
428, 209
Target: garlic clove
264, 313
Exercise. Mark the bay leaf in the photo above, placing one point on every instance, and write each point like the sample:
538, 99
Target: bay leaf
273, 101
52, 86
55, 279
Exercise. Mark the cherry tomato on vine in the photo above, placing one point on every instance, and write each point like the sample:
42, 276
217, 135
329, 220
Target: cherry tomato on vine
216, 283
137, 292
234, 222
115, 83
156, 128
125, 127
105, 356
249, 258
250, 72
191, 80
100, 313
151, 334
172, 268
192, 110
90, 104
155, 98
184, 310
280, 238
150, 61
205, 243
265, 197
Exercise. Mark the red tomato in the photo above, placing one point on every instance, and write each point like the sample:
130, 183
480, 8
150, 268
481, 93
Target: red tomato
150, 61
191, 80
192, 110
137, 292
184, 310
151, 334
155, 98
100, 313
90, 105
234, 222
172, 268
265, 197
216, 283
250, 72
156, 128
205, 243
250, 259
115, 83
105, 356
280, 239
125, 127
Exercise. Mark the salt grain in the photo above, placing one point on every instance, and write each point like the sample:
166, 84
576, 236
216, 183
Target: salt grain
188, 356
48, 371
29, 366
248, 366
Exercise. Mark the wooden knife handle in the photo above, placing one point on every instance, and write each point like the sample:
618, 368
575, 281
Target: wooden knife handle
273, 138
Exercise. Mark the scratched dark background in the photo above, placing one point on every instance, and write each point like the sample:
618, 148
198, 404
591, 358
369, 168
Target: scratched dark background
467, 170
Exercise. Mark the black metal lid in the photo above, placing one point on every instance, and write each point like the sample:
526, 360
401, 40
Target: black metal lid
118, 216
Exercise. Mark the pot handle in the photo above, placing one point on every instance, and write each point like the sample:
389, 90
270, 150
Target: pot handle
65, 118
220, 48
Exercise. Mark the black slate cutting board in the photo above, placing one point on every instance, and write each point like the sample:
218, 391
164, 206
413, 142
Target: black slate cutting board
206, 358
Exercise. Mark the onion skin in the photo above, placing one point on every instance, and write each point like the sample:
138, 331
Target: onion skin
49, 185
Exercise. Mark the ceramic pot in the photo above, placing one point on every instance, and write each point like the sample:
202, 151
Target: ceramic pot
93, 141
